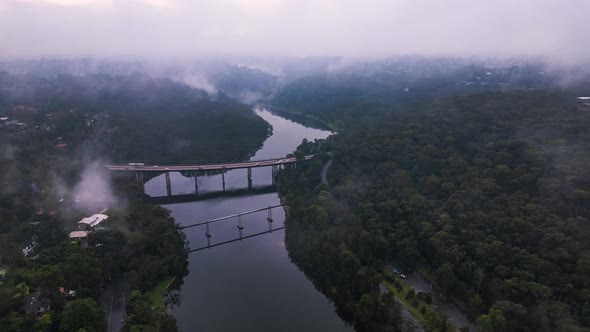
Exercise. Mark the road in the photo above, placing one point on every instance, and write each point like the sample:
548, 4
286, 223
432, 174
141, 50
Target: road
414, 324
207, 167
458, 319
113, 301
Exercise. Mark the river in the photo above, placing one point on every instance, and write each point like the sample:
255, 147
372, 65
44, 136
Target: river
249, 285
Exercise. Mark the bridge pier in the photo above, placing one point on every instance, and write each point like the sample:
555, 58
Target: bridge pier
249, 178
196, 186
208, 235
275, 171
240, 226
168, 186
223, 180
270, 220
139, 178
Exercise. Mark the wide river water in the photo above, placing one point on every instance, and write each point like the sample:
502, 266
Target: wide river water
248, 285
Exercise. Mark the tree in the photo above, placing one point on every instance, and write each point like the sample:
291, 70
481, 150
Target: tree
45, 322
82, 314
22, 289
141, 316
49, 278
366, 308
82, 271
9, 252
446, 278
497, 320
484, 323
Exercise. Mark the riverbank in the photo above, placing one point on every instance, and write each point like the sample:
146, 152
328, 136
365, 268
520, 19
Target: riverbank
301, 117
157, 294
253, 282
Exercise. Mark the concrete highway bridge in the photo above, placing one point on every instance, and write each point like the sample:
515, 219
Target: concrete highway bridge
140, 168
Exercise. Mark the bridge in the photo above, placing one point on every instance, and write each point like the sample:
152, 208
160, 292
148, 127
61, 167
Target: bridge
240, 227
140, 168
133, 167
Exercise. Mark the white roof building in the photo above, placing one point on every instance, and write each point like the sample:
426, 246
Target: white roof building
584, 101
78, 235
94, 219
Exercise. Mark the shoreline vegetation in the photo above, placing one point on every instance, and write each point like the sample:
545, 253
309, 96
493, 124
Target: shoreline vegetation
158, 293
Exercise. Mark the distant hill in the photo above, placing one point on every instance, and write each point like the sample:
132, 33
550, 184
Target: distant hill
338, 93
139, 118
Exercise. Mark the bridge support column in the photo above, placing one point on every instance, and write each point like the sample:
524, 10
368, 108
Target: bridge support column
139, 178
249, 178
168, 186
240, 226
274, 174
270, 220
208, 235
196, 186
223, 180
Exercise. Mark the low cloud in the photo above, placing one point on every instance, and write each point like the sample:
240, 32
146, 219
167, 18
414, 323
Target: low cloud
94, 187
83, 3
369, 28
197, 81
92, 192
250, 97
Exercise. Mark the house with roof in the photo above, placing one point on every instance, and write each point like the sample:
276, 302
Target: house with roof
584, 102
93, 221
79, 236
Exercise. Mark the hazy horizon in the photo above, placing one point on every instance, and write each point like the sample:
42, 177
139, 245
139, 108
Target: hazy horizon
373, 28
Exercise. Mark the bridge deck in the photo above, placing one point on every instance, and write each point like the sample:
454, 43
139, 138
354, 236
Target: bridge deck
208, 167
235, 240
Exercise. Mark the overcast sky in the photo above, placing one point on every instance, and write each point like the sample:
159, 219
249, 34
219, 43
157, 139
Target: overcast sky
295, 27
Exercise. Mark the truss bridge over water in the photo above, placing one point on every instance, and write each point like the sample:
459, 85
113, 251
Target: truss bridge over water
204, 227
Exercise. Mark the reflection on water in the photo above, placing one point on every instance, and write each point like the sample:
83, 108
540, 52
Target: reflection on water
249, 285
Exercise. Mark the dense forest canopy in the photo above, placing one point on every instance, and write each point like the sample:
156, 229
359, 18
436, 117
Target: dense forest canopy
338, 96
138, 118
487, 194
